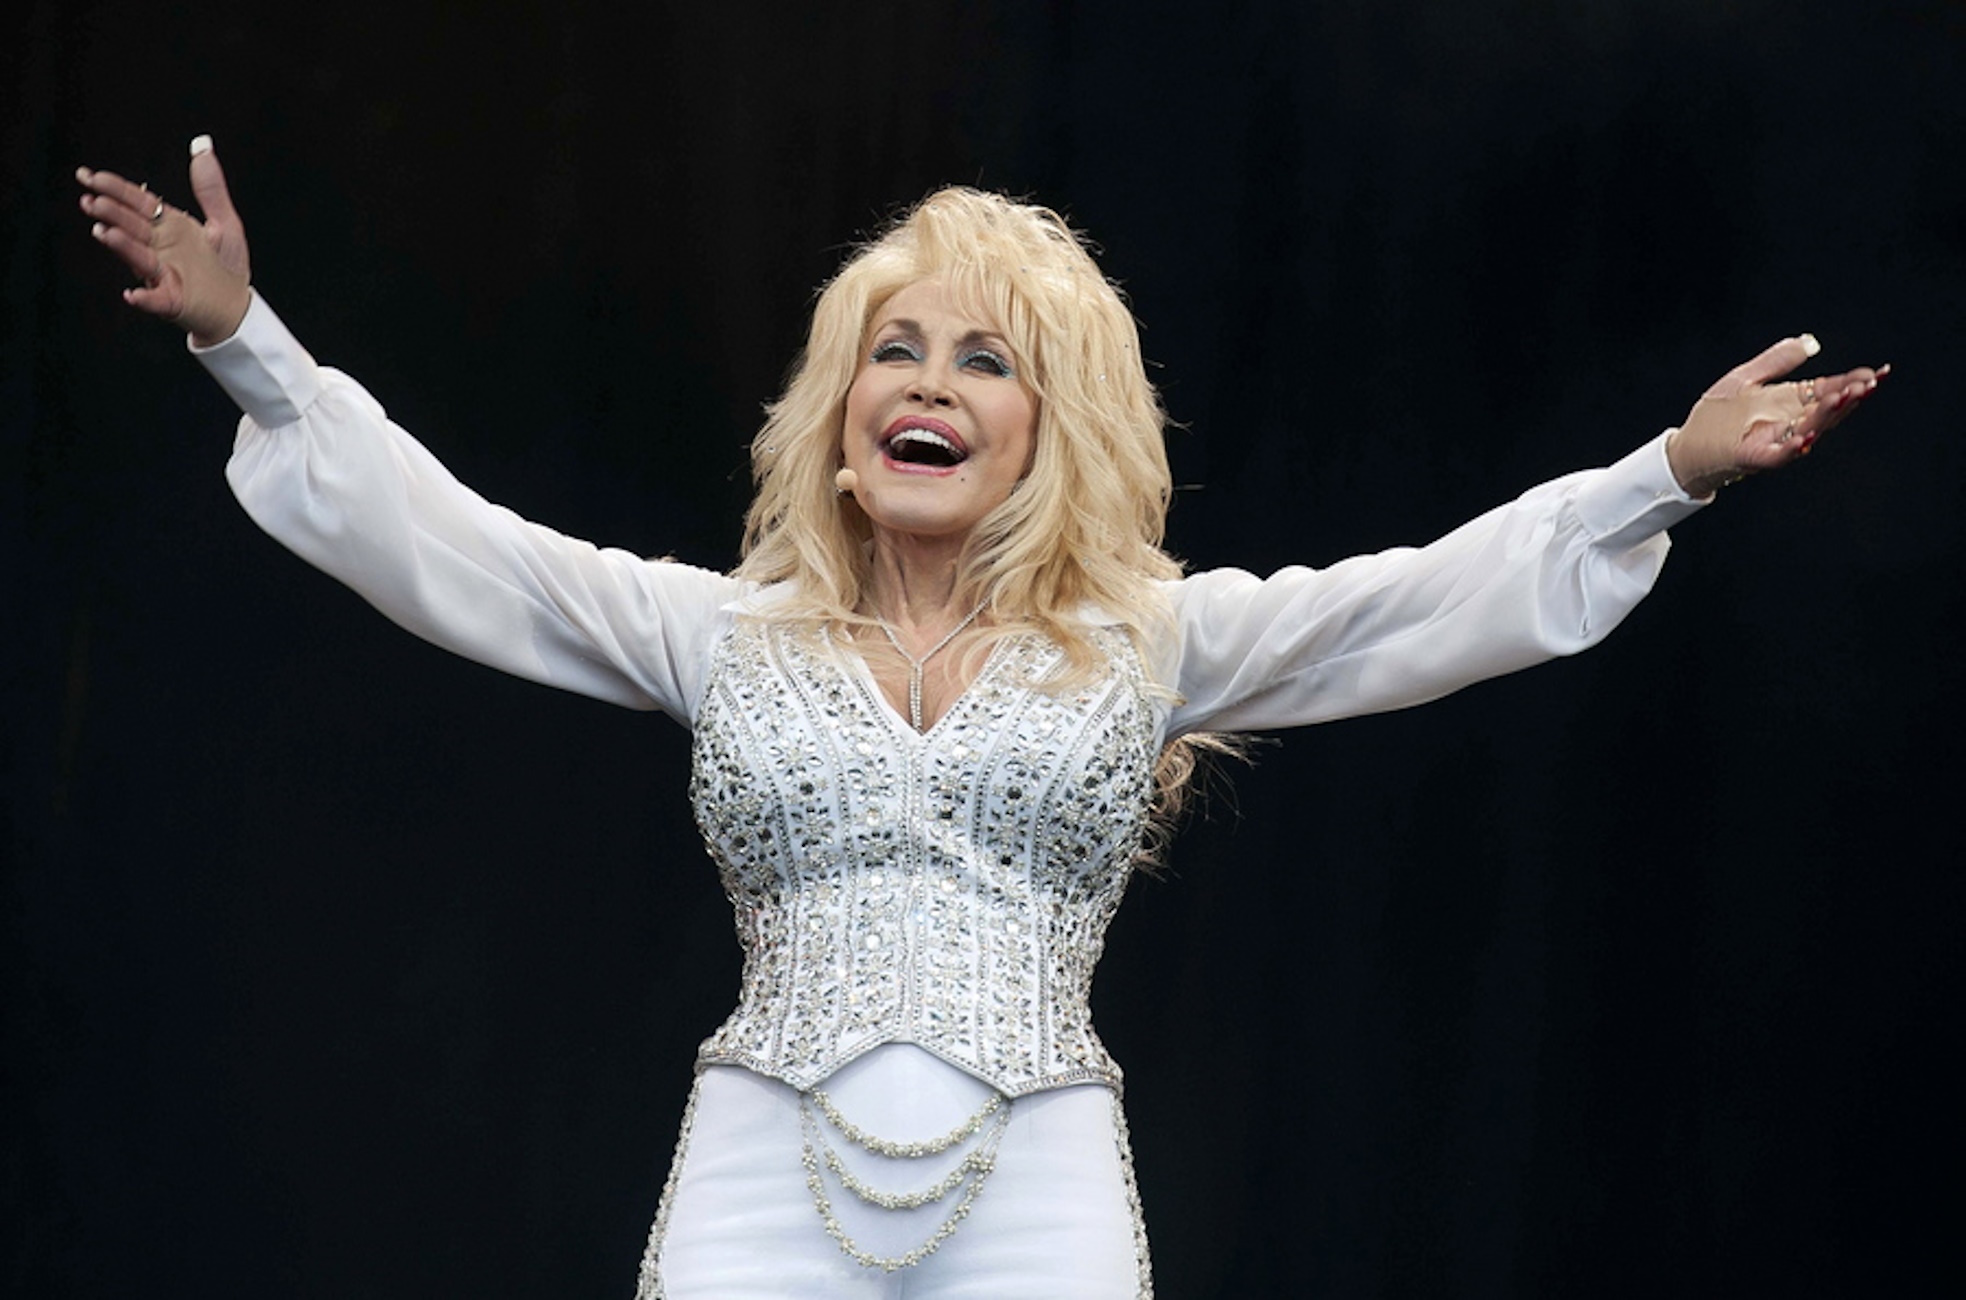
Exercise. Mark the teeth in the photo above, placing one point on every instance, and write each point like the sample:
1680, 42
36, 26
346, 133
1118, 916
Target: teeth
928, 436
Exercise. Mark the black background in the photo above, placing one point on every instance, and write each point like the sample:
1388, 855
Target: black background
336, 967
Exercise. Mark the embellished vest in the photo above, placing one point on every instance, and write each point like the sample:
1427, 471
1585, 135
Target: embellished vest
949, 889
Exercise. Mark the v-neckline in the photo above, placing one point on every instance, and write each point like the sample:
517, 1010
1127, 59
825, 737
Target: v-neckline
870, 686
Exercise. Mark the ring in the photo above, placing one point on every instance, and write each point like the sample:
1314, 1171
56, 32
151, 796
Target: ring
1808, 391
1788, 433
158, 214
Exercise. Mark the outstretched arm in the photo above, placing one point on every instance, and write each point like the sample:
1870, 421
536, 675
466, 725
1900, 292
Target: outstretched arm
195, 273
319, 465
1548, 574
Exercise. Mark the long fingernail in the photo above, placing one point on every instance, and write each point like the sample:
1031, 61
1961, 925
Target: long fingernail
1810, 347
200, 144
1884, 370
82, 174
97, 230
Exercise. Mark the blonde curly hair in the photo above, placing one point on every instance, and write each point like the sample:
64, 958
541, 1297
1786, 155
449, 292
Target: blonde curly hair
1085, 526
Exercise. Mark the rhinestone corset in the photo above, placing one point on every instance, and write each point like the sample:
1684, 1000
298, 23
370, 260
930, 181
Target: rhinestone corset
949, 889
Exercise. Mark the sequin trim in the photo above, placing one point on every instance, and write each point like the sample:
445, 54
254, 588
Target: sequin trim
648, 1283
1142, 1256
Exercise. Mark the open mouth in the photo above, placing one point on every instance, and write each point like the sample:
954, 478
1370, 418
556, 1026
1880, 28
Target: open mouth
914, 444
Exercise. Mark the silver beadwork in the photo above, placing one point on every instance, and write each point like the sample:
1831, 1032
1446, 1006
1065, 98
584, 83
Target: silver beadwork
949, 888
903, 1150
970, 1174
975, 1161
648, 1280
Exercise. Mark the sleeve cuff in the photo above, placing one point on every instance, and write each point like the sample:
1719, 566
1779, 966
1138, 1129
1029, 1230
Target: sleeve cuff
263, 368
1635, 498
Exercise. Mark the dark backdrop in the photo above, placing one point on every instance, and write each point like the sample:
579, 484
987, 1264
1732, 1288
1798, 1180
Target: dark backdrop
336, 967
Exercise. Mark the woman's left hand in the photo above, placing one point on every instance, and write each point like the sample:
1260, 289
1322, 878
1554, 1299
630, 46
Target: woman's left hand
1749, 422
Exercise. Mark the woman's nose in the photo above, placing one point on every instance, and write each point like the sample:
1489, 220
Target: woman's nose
931, 390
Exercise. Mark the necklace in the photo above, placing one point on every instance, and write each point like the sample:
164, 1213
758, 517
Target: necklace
915, 665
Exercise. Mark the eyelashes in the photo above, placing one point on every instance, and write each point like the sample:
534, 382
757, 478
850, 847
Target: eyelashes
986, 361
896, 350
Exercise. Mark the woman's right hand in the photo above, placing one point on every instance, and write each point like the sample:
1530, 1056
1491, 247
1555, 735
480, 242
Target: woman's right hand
195, 273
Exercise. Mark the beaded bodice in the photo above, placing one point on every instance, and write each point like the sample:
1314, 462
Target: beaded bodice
949, 889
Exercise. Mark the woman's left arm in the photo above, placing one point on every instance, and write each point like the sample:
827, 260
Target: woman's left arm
1548, 574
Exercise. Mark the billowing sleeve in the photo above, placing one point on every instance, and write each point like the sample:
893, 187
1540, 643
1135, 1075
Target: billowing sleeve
318, 464
1548, 574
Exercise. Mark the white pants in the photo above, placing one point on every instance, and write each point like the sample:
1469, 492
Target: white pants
1057, 1219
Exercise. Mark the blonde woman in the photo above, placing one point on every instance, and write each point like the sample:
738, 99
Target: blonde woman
937, 708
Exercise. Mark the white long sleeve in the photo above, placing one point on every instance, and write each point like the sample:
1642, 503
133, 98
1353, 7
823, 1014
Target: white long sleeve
318, 465
1548, 574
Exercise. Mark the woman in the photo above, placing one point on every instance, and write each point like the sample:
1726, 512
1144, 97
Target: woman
939, 709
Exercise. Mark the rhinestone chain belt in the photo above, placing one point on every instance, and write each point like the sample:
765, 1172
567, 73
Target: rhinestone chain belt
969, 1175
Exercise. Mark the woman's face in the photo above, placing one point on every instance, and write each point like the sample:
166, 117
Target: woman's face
939, 425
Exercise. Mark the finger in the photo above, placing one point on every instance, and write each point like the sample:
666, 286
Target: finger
165, 300
113, 189
135, 253
114, 212
1771, 364
161, 293
208, 183
1772, 445
1845, 393
1837, 396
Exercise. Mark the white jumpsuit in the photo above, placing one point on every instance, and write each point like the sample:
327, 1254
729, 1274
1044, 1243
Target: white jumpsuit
921, 914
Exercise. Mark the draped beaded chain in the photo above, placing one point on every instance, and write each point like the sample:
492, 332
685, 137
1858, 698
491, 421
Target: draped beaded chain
969, 1174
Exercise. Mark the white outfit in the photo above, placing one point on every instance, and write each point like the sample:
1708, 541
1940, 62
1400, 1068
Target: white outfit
916, 905
1057, 1219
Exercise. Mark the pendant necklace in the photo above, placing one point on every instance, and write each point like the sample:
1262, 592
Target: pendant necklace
915, 665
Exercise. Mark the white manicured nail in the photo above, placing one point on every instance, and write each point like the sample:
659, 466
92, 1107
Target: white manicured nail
1810, 347
200, 144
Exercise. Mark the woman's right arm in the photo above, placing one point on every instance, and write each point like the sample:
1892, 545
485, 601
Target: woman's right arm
319, 465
